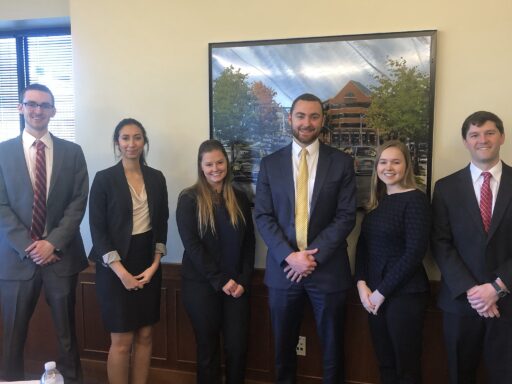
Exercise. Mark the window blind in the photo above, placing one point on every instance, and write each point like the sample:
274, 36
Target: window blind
37, 58
9, 117
50, 62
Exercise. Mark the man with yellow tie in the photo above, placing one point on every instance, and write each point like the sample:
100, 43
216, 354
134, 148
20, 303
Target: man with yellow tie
305, 208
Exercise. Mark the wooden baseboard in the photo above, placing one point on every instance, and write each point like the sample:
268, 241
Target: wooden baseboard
173, 359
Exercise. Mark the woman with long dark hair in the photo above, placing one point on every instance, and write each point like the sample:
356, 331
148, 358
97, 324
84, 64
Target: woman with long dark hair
391, 280
216, 228
128, 214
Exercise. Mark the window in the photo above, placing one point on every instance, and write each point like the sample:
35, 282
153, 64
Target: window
9, 117
44, 57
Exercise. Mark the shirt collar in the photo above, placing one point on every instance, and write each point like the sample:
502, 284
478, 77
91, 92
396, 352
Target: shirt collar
312, 148
494, 171
28, 139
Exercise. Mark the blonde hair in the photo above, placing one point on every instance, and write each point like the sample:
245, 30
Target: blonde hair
377, 187
206, 196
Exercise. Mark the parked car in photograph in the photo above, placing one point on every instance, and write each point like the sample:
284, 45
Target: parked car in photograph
364, 159
348, 150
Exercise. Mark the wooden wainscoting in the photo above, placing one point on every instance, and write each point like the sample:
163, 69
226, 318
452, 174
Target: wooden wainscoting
174, 345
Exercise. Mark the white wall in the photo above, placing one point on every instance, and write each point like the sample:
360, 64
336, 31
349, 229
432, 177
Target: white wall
149, 60
32, 9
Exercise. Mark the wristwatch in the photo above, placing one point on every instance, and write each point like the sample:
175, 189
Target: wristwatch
500, 291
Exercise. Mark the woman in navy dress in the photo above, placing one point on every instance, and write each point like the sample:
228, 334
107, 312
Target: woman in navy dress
391, 280
216, 228
128, 214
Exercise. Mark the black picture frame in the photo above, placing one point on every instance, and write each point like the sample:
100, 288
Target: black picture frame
374, 87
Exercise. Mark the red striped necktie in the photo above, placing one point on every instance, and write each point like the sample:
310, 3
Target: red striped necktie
39, 207
486, 201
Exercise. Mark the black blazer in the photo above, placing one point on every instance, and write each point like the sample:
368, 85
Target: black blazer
466, 255
111, 210
202, 256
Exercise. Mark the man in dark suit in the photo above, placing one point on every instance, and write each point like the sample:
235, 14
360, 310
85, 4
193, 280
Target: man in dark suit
43, 195
308, 262
472, 244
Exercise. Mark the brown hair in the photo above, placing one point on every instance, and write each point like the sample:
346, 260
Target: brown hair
37, 87
117, 130
307, 97
206, 196
378, 188
480, 118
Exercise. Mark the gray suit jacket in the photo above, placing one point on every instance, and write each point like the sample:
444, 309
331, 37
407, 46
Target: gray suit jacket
66, 203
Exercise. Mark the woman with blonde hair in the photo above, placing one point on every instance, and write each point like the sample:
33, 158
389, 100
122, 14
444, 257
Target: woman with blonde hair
391, 280
216, 228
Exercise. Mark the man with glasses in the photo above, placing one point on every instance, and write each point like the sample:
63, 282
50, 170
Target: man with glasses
43, 196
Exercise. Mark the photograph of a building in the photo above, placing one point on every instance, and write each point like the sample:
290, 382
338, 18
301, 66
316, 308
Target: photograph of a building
373, 88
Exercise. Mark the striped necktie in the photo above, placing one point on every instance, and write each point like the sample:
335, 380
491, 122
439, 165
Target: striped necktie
39, 207
301, 202
486, 201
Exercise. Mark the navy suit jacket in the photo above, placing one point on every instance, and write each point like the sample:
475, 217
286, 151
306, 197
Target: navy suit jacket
66, 203
111, 210
331, 219
466, 255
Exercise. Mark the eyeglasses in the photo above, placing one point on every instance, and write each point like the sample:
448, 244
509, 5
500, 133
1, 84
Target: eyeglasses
32, 105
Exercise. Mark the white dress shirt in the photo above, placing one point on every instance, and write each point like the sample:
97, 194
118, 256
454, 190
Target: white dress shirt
30, 152
476, 176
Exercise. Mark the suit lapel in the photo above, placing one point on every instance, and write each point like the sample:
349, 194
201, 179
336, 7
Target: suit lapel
18, 157
286, 170
58, 160
502, 200
18, 171
124, 191
467, 198
149, 189
321, 172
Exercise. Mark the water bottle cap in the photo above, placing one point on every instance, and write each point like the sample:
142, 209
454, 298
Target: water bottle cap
49, 365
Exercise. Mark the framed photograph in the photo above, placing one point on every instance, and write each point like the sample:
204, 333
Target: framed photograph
373, 87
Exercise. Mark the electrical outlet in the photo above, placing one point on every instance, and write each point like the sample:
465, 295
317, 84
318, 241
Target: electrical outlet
301, 346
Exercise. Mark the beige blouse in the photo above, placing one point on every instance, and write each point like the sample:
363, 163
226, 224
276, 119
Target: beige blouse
141, 223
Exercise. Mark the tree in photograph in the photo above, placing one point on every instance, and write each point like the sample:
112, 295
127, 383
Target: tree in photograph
233, 107
400, 103
266, 108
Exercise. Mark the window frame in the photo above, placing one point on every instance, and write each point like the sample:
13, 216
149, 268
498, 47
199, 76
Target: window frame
22, 57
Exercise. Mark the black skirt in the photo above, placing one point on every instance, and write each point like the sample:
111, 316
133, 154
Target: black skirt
123, 310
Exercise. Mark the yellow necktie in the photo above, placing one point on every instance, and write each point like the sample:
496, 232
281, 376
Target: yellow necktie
301, 202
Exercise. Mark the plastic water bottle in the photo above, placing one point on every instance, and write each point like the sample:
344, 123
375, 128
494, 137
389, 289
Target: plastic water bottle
51, 375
